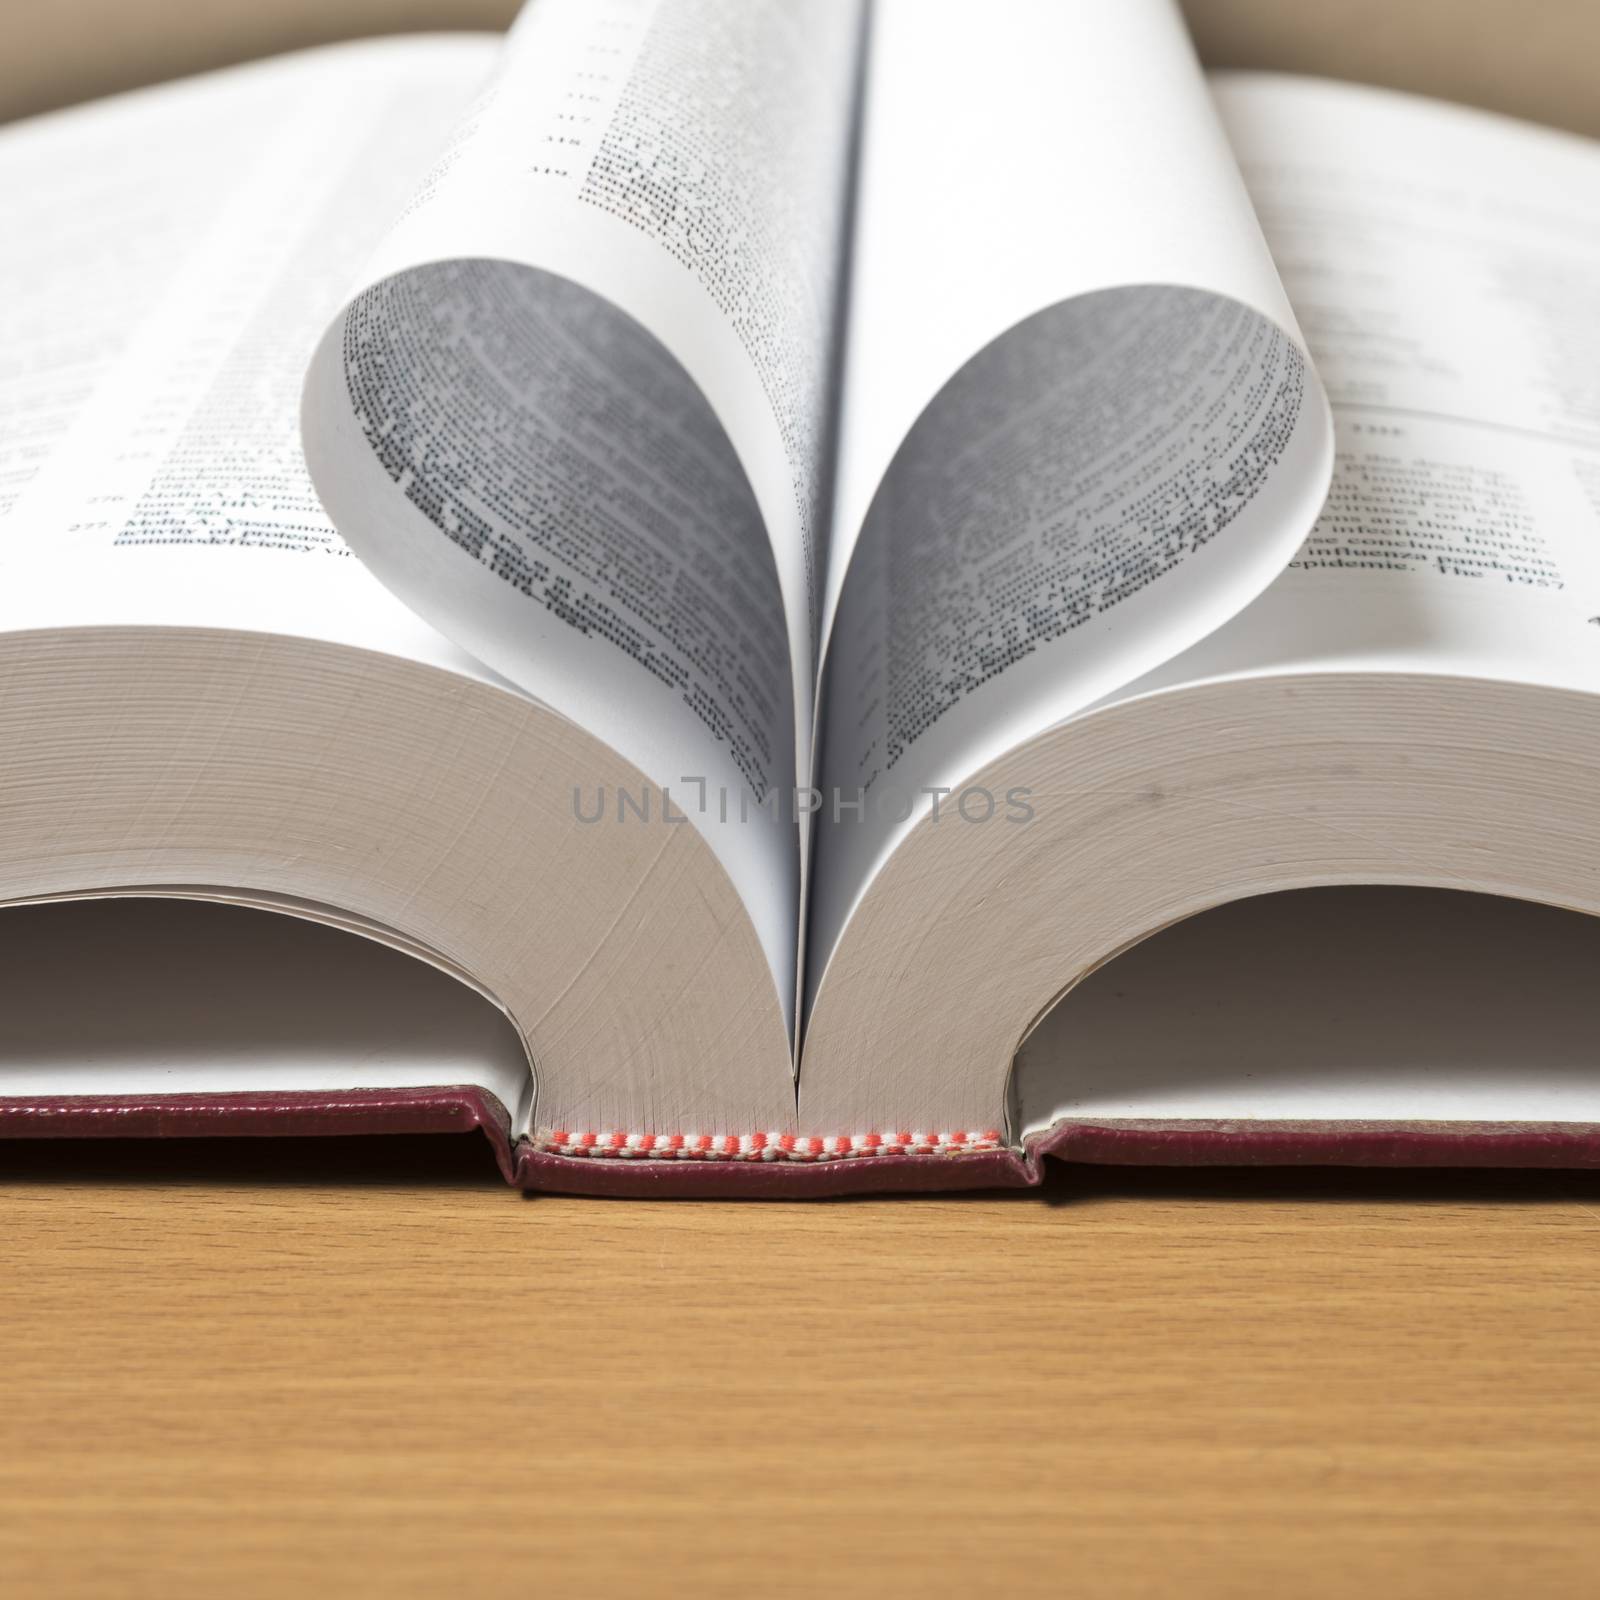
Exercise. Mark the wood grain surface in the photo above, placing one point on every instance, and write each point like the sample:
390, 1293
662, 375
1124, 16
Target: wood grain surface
366, 1367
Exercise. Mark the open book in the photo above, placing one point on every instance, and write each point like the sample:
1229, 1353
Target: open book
771, 539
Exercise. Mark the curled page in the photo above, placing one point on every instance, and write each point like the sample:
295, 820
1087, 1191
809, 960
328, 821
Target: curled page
578, 413
1080, 430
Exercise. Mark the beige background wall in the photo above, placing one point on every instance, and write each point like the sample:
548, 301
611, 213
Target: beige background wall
1532, 58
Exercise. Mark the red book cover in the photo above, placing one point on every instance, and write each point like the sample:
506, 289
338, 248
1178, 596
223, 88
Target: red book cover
783, 1176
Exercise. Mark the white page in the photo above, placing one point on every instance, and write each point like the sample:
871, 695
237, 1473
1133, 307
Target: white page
1089, 495
99, 204
141, 995
578, 414
1346, 1004
174, 492
1444, 264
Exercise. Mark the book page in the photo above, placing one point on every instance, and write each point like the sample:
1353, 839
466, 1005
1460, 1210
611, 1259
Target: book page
182, 248
70, 298
166, 995
578, 411
1443, 263
1352, 1004
1079, 428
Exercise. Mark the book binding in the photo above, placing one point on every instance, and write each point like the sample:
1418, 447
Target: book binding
763, 1167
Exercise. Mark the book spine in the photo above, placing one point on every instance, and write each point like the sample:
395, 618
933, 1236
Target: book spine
785, 1166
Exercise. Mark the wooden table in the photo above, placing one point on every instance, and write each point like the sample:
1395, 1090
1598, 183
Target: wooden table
347, 1367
